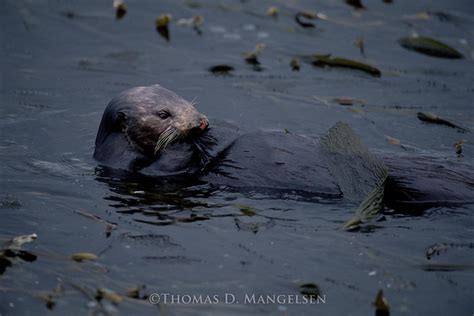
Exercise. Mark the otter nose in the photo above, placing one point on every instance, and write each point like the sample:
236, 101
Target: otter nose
203, 123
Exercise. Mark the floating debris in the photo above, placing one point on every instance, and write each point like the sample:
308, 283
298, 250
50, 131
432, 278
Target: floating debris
346, 101
253, 227
192, 218
273, 12
445, 267
195, 22
458, 146
193, 4
359, 43
161, 24
307, 15
429, 46
109, 226
120, 9
50, 298
82, 256
327, 60
10, 202
252, 57
381, 305
11, 250
247, 210
133, 292
295, 64
17, 242
310, 290
392, 140
435, 119
69, 14
109, 295
221, 69
437, 249
356, 4
422, 16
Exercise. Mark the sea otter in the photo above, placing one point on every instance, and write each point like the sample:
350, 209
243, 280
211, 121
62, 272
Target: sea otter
154, 132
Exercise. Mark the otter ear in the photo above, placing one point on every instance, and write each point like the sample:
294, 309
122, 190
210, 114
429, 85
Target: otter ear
121, 120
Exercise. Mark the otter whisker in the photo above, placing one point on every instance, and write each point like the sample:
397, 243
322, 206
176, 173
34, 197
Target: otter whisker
168, 136
163, 138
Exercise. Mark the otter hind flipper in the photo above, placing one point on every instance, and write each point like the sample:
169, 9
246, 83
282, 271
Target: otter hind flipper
360, 175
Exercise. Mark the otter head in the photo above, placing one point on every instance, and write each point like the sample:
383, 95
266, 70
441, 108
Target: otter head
151, 118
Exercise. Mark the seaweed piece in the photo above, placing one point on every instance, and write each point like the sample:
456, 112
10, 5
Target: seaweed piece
458, 146
307, 15
381, 305
252, 57
295, 64
120, 9
437, 249
327, 60
109, 295
392, 140
435, 119
161, 24
359, 43
247, 210
195, 22
109, 226
356, 4
82, 256
346, 101
310, 290
221, 69
273, 12
429, 46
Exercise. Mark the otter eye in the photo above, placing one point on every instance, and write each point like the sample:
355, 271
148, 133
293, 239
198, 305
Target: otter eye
163, 114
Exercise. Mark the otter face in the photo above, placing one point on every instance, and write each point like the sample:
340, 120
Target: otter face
153, 118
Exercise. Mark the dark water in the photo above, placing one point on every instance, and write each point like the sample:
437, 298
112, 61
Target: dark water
62, 61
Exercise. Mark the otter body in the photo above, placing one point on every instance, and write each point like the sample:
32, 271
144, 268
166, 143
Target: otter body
152, 131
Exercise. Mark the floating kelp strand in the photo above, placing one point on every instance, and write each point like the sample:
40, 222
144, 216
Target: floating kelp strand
429, 46
84, 256
306, 15
356, 4
161, 24
435, 119
327, 60
221, 69
347, 101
